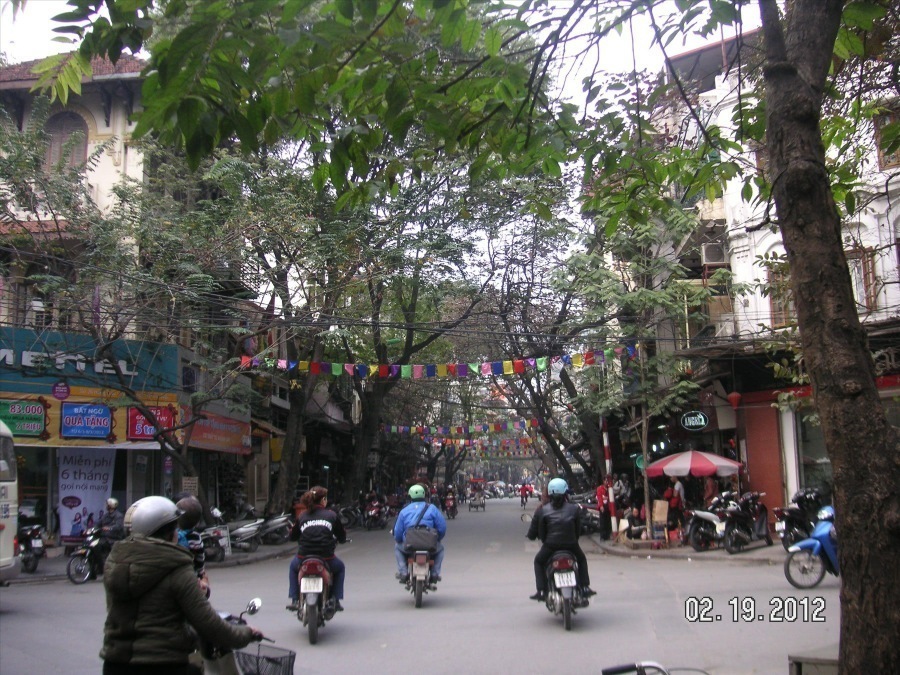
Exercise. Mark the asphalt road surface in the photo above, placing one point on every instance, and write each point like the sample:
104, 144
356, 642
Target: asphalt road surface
725, 617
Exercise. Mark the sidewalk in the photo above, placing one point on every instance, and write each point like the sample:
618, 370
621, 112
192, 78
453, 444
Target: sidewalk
757, 553
53, 566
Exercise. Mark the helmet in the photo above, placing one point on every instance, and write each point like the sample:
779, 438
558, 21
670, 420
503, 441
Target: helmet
112, 503
557, 486
149, 514
192, 511
417, 492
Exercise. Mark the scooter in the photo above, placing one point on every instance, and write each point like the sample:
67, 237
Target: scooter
31, 547
87, 561
419, 579
808, 560
243, 535
376, 515
251, 659
316, 605
707, 527
746, 521
796, 521
450, 506
563, 594
276, 529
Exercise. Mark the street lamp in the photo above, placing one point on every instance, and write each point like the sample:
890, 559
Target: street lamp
326, 468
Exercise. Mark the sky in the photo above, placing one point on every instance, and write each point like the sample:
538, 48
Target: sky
29, 36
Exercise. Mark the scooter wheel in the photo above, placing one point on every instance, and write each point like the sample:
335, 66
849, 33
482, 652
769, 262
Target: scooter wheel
29, 563
78, 569
804, 569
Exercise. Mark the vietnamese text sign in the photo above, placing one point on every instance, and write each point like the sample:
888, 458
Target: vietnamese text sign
24, 418
85, 482
85, 420
140, 428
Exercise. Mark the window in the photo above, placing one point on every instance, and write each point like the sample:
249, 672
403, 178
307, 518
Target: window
886, 160
61, 128
781, 302
862, 275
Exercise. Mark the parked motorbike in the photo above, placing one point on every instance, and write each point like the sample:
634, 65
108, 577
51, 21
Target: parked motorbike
316, 605
276, 529
244, 534
87, 561
376, 515
418, 580
808, 560
591, 520
706, 527
350, 515
563, 593
796, 521
450, 507
746, 521
251, 659
215, 542
31, 547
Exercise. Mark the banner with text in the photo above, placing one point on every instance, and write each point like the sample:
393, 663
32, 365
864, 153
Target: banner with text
85, 483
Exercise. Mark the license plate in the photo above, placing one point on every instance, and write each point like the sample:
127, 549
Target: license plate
564, 579
720, 529
311, 585
37, 543
223, 542
779, 526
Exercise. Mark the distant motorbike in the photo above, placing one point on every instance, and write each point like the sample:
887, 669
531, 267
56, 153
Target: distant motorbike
707, 527
87, 561
563, 593
351, 516
376, 515
746, 521
243, 534
808, 560
450, 507
796, 521
31, 547
276, 529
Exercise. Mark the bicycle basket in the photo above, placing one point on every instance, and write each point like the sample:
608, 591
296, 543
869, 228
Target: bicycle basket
262, 659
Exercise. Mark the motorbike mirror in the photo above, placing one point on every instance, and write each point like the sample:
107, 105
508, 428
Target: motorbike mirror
254, 606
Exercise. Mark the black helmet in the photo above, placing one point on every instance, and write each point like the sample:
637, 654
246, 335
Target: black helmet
192, 512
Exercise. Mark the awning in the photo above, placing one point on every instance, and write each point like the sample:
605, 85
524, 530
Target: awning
266, 426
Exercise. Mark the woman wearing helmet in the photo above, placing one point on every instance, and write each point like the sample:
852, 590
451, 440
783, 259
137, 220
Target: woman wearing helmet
407, 517
558, 525
153, 599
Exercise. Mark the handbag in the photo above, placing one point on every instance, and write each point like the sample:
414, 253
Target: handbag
421, 537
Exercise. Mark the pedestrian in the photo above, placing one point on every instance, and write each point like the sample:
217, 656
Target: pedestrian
155, 608
710, 490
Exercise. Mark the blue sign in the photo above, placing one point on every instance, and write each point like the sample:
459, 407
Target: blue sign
85, 420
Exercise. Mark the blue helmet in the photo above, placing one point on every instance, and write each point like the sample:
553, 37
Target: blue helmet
557, 486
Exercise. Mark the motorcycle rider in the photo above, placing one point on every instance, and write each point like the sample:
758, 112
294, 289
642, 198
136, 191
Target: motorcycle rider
189, 538
408, 517
558, 525
153, 599
316, 531
112, 529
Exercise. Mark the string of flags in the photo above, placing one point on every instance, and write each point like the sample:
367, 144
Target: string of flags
484, 428
441, 370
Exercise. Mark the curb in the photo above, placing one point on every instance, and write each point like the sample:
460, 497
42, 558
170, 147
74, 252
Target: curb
689, 555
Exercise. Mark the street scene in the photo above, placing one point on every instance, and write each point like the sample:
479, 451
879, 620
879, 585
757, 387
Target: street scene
647, 608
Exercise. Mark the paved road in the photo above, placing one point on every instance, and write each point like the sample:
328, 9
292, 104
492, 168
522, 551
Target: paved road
480, 620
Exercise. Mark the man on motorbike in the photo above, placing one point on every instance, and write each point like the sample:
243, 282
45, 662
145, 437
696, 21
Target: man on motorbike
153, 599
317, 531
558, 525
406, 519
189, 538
112, 528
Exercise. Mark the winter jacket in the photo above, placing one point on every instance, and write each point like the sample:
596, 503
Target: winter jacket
112, 525
410, 513
152, 596
318, 532
556, 526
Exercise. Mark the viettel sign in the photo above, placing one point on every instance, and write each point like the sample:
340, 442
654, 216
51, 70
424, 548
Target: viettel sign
694, 420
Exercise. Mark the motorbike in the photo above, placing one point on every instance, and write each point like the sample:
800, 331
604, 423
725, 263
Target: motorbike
563, 593
31, 547
796, 521
316, 605
808, 560
591, 520
376, 516
251, 659
706, 527
243, 535
450, 506
418, 580
215, 542
746, 521
276, 529
87, 561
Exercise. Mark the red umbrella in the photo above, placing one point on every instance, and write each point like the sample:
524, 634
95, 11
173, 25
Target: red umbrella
693, 463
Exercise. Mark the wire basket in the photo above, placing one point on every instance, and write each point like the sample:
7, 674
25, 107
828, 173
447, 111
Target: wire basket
262, 659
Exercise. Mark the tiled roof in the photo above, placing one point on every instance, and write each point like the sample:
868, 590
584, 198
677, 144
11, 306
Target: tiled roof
21, 72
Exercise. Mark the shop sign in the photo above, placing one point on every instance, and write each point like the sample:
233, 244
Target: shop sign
141, 429
694, 420
24, 418
61, 391
85, 420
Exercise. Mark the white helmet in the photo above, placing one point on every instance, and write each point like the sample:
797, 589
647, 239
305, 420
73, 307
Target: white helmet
149, 514
112, 503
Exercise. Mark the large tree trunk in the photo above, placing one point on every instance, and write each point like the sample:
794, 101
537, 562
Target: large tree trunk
861, 444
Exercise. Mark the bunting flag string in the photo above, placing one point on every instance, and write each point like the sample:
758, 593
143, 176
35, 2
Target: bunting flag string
484, 428
443, 370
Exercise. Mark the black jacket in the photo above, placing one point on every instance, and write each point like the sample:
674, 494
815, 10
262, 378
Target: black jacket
556, 526
317, 533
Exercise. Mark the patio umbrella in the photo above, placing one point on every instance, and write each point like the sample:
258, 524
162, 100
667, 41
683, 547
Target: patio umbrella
693, 463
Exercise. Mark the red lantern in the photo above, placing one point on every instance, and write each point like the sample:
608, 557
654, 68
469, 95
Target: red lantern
734, 399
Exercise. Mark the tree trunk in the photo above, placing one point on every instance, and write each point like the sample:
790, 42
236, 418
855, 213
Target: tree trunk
861, 444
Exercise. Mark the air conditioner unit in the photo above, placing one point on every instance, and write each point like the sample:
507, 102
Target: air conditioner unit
713, 254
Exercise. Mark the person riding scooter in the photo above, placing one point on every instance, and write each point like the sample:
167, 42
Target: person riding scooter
407, 518
558, 525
